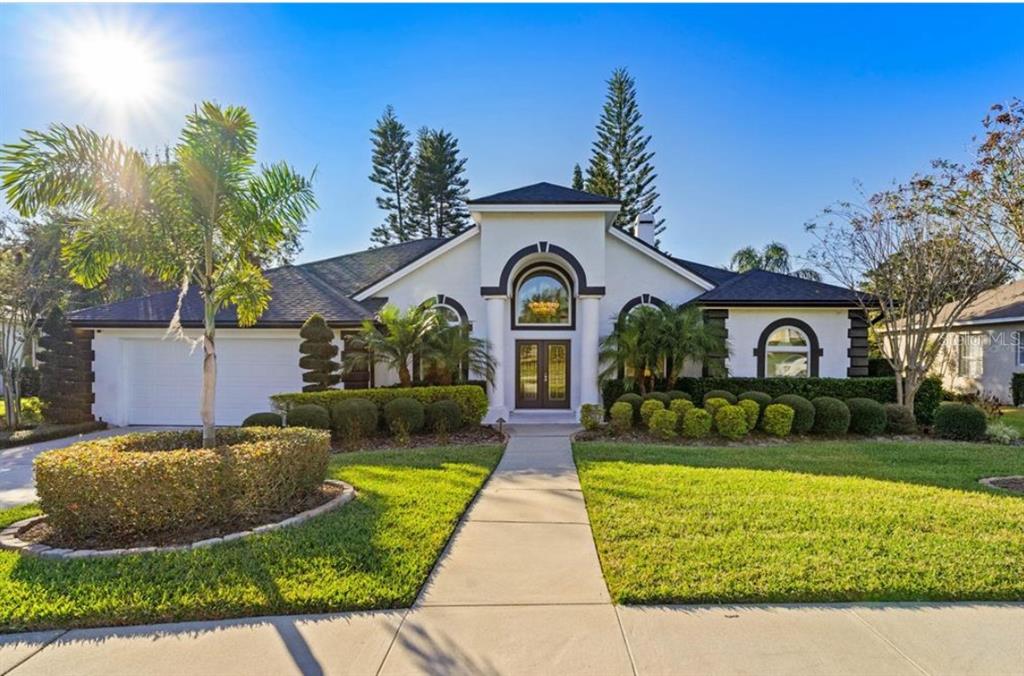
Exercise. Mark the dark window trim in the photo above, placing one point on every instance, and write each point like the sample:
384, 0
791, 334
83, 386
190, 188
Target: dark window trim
815, 350
541, 247
514, 321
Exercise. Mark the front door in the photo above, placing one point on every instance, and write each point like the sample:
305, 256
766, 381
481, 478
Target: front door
542, 374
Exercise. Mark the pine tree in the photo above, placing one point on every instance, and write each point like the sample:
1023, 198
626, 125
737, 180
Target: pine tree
318, 350
577, 178
439, 187
621, 149
393, 166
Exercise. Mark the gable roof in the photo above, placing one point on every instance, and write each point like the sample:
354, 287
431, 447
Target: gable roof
760, 287
1002, 304
544, 193
711, 273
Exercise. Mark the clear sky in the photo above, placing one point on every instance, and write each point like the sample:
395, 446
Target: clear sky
761, 115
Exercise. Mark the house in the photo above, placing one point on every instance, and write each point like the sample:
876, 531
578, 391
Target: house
983, 349
542, 274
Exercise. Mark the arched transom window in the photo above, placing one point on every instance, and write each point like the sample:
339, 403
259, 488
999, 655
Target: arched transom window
543, 298
447, 314
787, 353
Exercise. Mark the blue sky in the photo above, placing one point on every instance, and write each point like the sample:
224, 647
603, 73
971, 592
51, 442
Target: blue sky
761, 115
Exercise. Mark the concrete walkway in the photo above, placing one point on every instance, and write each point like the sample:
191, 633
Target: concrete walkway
519, 591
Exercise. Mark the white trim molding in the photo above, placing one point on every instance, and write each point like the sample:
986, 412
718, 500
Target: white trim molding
661, 258
376, 287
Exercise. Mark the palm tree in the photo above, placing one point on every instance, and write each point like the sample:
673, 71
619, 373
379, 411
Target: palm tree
452, 351
774, 257
685, 336
394, 338
203, 216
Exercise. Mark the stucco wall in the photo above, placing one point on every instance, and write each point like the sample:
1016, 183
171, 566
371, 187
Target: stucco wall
999, 362
745, 326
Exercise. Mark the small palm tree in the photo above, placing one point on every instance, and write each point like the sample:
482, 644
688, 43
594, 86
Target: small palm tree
774, 257
685, 336
393, 339
451, 351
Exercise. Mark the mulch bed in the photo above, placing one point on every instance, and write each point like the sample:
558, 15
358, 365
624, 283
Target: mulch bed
755, 438
1014, 484
44, 533
467, 437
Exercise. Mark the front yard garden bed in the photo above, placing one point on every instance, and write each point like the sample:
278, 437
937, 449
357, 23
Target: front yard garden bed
472, 436
822, 521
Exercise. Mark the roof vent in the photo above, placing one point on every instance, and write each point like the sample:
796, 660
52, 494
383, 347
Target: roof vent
643, 228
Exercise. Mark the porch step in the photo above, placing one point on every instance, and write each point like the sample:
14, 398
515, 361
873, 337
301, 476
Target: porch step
532, 417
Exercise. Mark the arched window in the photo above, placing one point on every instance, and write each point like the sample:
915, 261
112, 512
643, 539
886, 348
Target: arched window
447, 314
787, 353
543, 298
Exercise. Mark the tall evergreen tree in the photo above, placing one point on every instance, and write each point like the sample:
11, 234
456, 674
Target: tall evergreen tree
439, 187
577, 178
393, 166
621, 149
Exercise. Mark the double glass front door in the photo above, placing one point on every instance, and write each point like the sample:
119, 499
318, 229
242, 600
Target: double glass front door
542, 374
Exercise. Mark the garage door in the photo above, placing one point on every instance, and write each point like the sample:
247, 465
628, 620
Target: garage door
164, 379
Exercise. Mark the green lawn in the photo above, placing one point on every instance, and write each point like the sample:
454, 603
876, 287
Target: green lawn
830, 521
374, 552
1014, 417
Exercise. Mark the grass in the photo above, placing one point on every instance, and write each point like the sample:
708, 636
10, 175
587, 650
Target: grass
374, 552
807, 522
1014, 417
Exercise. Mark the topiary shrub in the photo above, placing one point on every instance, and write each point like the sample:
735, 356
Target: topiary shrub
267, 419
404, 416
867, 416
673, 395
443, 417
729, 397
778, 419
680, 407
731, 422
752, 410
633, 400
318, 351
803, 412
663, 424
354, 419
696, 423
962, 422
313, 416
658, 396
621, 417
648, 408
899, 419
762, 399
472, 399
831, 416
65, 371
713, 405
591, 416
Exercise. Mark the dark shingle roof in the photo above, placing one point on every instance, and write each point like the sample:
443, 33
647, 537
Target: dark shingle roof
544, 193
297, 291
708, 272
758, 287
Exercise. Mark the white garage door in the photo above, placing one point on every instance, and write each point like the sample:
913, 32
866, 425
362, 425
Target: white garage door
165, 380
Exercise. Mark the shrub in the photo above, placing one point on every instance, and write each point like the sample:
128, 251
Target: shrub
762, 399
680, 407
633, 400
267, 419
591, 416
899, 419
1001, 433
713, 404
472, 399
673, 395
150, 484
831, 416
778, 419
658, 396
309, 415
696, 423
318, 352
404, 416
444, 417
1017, 388
867, 416
648, 408
960, 421
663, 424
621, 417
354, 419
731, 422
729, 397
752, 410
803, 412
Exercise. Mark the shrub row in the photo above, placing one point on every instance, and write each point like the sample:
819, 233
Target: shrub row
471, 399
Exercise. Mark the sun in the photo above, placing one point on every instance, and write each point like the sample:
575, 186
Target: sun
114, 68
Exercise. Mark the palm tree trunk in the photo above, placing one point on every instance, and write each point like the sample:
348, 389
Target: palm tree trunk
209, 373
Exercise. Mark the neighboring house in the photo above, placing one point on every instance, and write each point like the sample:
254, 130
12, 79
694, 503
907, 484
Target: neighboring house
984, 349
542, 275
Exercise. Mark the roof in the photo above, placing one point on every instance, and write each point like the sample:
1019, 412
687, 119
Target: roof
709, 272
759, 287
544, 193
1002, 304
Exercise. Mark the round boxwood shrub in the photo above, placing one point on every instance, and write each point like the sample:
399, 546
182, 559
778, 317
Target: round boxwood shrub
867, 416
713, 405
900, 419
621, 417
680, 408
778, 420
831, 416
633, 400
160, 483
404, 416
591, 416
731, 422
719, 394
663, 424
313, 416
962, 422
444, 417
753, 411
696, 423
762, 399
658, 396
648, 408
267, 419
354, 419
803, 412
678, 394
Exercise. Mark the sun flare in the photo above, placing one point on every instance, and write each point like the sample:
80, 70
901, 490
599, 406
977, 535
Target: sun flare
114, 68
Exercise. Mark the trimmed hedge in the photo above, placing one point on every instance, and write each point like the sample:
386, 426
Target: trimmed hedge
663, 424
404, 416
444, 417
803, 412
150, 484
753, 411
354, 419
621, 417
658, 396
778, 420
678, 394
867, 416
633, 400
680, 407
731, 422
471, 398
591, 416
696, 423
648, 408
718, 394
264, 419
899, 419
831, 416
313, 416
713, 404
962, 422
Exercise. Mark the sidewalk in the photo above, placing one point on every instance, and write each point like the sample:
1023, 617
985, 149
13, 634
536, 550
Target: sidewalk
520, 591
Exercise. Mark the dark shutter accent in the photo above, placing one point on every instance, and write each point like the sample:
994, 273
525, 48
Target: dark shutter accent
360, 379
718, 317
858, 351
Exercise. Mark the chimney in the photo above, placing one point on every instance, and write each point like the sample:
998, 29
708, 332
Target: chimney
643, 229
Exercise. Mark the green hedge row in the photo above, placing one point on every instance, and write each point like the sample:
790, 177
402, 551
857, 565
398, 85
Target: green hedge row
472, 400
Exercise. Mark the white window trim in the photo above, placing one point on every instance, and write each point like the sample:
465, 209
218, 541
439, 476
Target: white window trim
966, 365
554, 271
789, 349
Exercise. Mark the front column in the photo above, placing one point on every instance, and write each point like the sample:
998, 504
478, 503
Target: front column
589, 323
497, 313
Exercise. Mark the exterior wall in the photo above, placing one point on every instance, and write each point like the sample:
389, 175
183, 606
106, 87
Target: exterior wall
999, 362
831, 325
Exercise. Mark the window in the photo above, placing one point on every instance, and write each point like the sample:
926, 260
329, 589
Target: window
970, 352
787, 353
543, 298
447, 314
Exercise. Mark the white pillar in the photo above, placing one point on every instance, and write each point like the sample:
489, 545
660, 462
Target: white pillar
497, 313
589, 323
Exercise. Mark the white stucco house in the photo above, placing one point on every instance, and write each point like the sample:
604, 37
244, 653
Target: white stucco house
542, 274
